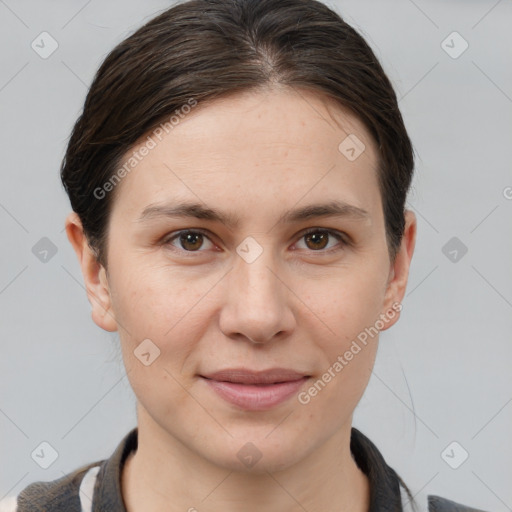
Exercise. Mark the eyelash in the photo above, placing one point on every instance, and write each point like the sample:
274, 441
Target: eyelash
341, 237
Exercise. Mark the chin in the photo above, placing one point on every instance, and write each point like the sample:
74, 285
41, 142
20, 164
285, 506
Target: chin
258, 454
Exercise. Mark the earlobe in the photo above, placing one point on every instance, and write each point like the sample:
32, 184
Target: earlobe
94, 274
399, 269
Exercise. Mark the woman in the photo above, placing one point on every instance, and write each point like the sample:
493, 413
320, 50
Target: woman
238, 179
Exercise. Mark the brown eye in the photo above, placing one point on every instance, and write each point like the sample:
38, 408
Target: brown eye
317, 240
191, 241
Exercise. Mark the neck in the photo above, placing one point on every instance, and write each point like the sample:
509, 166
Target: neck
164, 475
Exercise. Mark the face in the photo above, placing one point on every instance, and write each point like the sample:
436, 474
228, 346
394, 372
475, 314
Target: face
247, 240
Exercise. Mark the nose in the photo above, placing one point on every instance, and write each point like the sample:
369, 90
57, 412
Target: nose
257, 306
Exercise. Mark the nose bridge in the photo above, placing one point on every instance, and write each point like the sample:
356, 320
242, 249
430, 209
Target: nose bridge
255, 280
256, 306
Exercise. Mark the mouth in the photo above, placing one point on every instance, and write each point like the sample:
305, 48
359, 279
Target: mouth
262, 377
255, 390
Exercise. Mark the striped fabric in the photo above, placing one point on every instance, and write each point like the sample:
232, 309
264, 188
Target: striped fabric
86, 491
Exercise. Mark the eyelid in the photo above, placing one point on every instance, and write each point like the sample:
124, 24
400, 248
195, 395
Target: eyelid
340, 236
170, 237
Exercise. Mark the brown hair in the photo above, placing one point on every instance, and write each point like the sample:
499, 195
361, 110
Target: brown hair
200, 50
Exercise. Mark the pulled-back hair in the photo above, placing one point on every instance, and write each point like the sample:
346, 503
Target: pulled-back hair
200, 50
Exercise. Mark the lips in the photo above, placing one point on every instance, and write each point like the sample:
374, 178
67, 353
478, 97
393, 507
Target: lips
255, 390
244, 376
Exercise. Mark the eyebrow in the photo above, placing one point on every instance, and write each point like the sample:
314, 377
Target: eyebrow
199, 211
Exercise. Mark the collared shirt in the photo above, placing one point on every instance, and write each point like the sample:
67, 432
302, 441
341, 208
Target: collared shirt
96, 487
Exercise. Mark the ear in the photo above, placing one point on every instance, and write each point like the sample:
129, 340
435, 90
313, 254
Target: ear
399, 271
94, 274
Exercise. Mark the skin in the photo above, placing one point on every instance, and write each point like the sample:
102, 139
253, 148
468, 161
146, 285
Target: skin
299, 305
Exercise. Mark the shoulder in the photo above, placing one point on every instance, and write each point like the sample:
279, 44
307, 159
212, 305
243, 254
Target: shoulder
70, 493
388, 490
438, 504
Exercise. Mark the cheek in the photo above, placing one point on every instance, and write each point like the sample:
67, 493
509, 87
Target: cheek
158, 306
159, 315
350, 310
335, 393
347, 307
345, 303
156, 300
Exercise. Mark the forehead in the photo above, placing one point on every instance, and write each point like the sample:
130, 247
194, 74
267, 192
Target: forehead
265, 146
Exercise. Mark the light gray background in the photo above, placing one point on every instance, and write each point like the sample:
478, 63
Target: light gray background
442, 373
